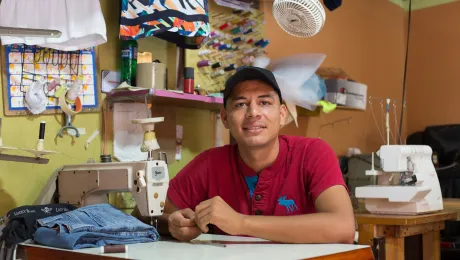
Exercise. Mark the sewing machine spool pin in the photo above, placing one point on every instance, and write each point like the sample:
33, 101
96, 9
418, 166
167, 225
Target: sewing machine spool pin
68, 125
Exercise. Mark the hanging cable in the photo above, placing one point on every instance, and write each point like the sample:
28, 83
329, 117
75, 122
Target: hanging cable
405, 73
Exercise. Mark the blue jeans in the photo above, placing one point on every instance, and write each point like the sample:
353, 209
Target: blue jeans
93, 226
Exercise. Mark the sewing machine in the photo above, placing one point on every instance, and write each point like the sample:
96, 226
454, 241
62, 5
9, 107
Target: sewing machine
408, 184
85, 184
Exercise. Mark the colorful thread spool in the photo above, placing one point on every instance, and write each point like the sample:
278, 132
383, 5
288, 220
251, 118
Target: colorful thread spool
248, 31
224, 47
211, 42
217, 74
203, 63
238, 39
264, 44
230, 68
216, 65
236, 30
250, 41
259, 42
204, 52
223, 26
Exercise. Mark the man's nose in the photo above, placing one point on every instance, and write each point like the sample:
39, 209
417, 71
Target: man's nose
253, 110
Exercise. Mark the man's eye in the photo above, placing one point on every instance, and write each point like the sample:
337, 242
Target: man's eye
265, 103
239, 105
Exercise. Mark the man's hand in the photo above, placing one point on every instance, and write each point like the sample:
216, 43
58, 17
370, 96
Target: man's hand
216, 211
182, 225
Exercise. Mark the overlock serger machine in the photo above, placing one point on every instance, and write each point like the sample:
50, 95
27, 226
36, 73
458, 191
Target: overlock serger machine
408, 183
85, 184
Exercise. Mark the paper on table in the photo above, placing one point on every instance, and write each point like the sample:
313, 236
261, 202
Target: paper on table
128, 137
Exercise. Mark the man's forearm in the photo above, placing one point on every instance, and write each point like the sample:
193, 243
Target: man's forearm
311, 228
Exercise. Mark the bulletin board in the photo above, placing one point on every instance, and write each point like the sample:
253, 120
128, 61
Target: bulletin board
22, 65
239, 29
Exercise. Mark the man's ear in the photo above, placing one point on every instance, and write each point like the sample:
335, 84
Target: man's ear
224, 117
283, 114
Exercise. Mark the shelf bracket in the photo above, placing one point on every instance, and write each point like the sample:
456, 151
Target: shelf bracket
24, 159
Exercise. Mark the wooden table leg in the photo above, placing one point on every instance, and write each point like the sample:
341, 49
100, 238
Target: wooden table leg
394, 248
431, 245
366, 234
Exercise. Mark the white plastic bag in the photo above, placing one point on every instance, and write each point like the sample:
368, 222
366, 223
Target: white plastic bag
294, 77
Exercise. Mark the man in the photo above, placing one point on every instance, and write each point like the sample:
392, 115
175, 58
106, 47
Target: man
281, 188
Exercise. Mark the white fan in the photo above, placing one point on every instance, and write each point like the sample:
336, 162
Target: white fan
300, 18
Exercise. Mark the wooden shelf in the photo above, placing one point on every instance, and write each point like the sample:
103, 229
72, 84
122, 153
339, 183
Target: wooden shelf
166, 97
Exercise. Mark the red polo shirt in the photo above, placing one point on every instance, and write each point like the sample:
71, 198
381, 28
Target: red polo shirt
304, 168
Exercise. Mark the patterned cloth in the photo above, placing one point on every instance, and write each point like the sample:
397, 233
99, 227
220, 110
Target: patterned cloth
183, 22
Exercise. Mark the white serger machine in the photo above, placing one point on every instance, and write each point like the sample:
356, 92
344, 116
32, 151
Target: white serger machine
408, 183
85, 184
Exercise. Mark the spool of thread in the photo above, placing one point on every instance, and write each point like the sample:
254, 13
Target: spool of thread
106, 158
230, 68
249, 50
223, 26
215, 34
250, 23
248, 31
238, 39
248, 59
203, 63
216, 65
264, 44
224, 47
229, 56
259, 42
110, 249
211, 42
217, 74
217, 44
189, 83
204, 52
236, 30
250, 41
41, 133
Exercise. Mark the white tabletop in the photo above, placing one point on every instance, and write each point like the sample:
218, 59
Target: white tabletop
178, 250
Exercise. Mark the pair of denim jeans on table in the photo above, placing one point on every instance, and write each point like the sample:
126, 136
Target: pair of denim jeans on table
93, 226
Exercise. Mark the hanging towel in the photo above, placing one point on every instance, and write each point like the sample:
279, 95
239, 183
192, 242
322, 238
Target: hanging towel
80, 21
182, 22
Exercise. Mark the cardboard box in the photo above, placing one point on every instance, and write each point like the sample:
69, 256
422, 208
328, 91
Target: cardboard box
356, 93
151, 75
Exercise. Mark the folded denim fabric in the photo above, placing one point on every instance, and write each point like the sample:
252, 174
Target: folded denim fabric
93, 226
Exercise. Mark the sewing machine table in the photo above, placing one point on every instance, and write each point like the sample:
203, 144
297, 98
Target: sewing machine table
235, 248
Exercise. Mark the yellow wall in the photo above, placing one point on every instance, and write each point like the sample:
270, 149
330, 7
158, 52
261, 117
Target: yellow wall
21, 183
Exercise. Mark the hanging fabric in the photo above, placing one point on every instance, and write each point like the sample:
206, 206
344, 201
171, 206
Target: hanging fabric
81, 22
182, 22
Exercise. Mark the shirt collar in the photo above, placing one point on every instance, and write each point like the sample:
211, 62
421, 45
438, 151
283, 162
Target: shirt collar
274, 168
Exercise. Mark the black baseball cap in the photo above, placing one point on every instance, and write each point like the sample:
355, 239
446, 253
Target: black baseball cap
250, 73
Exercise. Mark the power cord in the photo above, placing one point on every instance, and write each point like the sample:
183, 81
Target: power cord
405, 73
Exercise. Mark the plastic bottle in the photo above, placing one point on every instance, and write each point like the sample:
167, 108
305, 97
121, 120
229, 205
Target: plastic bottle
129, 62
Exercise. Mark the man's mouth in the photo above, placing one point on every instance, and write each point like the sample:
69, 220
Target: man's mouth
253, 128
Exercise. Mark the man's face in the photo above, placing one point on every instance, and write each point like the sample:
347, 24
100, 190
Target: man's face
254, 114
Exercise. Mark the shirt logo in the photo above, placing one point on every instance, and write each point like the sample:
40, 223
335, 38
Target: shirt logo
289, 204
47, 210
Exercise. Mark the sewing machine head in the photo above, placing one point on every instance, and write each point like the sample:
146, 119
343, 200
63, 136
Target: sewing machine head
407, 184
90, 183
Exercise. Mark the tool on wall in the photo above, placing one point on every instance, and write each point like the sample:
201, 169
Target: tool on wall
39, 150
66, 101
